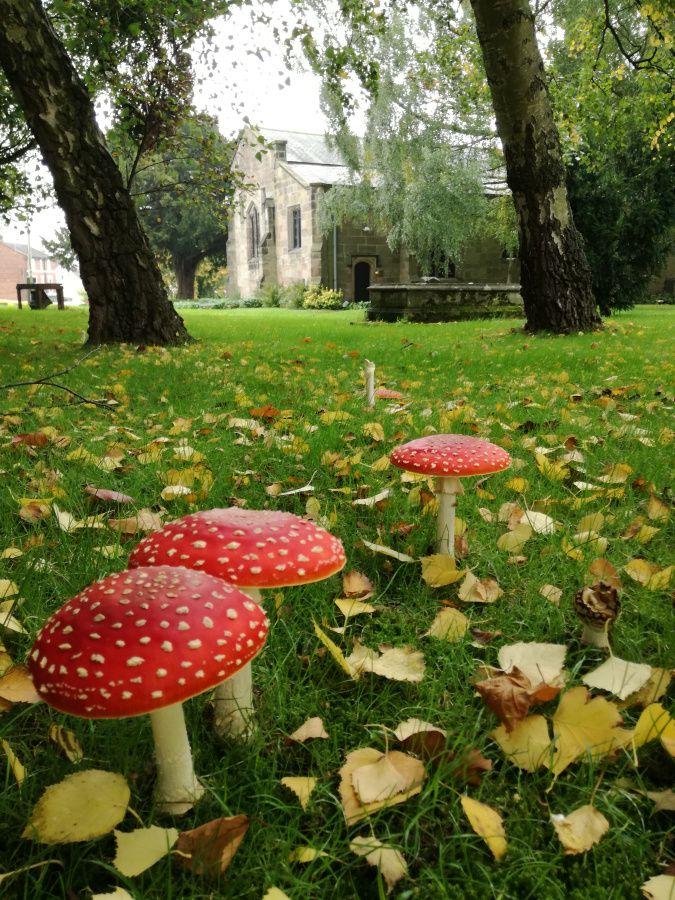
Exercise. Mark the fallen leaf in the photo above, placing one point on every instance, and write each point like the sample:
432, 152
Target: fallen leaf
649, 574
66, 742
585, 728
657, 509
388, 860
449, 625
354, 809
275, 893
655, 722
663, 800
305, 854
336, 653
602, 570
357, 585
654, 688
387, 551
144, 520
18, 770
16, 685
310, 729
514, 540
618, 677
538, 521
540, 663
393, 773
7, 588
301, 786
107, 496
399, 664
475, 590
580, 830
659, 887
175, 492
374, 500
509, 696
350, 608
528, 745
138, 850
440, 570
551, 593
210, 848
487, 823
82, 807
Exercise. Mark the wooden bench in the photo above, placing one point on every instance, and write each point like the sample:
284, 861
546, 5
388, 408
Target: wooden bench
41, 289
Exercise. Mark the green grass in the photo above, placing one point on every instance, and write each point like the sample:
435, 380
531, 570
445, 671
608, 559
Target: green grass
480, 377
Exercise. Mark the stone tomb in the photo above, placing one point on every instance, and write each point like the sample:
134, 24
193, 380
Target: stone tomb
443, 301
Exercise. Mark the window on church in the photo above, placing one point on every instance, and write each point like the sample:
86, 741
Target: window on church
253, 234
294, 228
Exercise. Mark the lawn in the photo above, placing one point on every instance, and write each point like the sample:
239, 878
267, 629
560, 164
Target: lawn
605, 398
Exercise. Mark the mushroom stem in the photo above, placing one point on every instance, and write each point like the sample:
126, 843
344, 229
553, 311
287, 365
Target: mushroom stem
177, 788
595, 636
233, 699
447, 489
369, 374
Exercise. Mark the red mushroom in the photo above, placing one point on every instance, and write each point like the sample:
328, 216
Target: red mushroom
143, 641
449, 457
253, 549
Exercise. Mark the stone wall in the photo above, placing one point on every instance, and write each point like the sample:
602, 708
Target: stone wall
483, 261
443, 302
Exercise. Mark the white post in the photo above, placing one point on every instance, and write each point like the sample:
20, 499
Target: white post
369, 374
233, 699
178, 788
447, 489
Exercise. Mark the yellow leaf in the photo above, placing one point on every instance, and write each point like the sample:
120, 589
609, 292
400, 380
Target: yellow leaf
275, 893
657, 509
302, 787
591, 522
439, 570
551, 593
659, 887
585, 728
648, 574
381, 464
554, 471
655, 722
354, 808
487, 823
528, 745
387, 859
18, 770
82, 807
336, 653
374, 431
387, 551
616, 474
580, 830
619, 677
67, 742
312, 728
654, 688
512, 541
7, 588
475, 590
538, 522
518, 484
304, 854
313, 508
328, 418
138, 850
349, 607
449, 625
175, 492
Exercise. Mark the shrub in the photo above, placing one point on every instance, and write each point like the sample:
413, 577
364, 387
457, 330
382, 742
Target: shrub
293, 295
269, 295
319, 297
251, 303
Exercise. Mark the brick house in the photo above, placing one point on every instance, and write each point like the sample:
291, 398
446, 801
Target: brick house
274, 235
14, 268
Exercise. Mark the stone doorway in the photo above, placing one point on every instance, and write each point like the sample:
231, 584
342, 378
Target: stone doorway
362, 279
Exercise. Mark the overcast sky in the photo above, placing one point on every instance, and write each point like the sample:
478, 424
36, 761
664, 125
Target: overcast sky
248, 81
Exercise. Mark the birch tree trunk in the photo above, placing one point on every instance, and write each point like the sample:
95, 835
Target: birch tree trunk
555, 277
128, 300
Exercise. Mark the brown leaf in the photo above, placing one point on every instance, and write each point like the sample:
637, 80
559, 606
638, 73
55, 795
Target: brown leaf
107, 496
602, 570
144, 520
508, 696
32, 439
356, 584
267, 412
422, 738
210, 848
16, 685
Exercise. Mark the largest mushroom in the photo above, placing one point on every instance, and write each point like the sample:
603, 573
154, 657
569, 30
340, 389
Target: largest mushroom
254, 549
144, 641
449, 457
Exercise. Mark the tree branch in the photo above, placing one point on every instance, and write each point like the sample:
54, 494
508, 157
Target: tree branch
48, 381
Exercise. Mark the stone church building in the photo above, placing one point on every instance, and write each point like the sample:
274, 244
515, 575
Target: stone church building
274, 235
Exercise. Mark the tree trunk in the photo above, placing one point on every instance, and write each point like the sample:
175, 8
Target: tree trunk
185, 270
555, 277
127, 298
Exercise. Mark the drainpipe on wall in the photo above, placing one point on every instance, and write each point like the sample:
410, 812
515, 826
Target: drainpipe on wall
335, 274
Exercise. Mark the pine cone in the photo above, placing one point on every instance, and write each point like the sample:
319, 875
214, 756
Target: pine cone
597, 605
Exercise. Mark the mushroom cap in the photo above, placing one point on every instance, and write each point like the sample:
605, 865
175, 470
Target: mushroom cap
388, 394
247, 547
144, 639
450, 454
597, 605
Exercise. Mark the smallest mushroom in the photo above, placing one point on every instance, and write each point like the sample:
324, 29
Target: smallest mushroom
449, 457
597, 606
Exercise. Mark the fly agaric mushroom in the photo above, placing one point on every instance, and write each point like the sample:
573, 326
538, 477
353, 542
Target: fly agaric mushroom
597, 606
449, 457
143, 641
253, 549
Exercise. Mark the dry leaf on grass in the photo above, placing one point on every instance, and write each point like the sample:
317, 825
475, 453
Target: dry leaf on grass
652, 690
275, 893
487, 823
388, 860
663, 800
580, 830
602, 570
585, 728
144, 520
449, 625
618, 677
16, 685
301, 786
337, 654
394, 773
440, 570
655, 722
7, 588
82, 807
514, 540
551, 593
66, 742
540, 663
394, 663
387, 551
657, 509
305, 854
509, 696
660, 887
539, 522
479, 590
210, 848
350, 608
139, 849
15, 764
528, 745
356, 584
649, 574
407, 770
106, 496
311, 728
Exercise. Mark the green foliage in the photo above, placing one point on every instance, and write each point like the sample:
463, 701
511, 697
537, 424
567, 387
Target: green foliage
61, 249
270, 295
320, 297
293, 295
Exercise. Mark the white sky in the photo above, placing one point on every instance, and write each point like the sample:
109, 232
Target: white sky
242, 84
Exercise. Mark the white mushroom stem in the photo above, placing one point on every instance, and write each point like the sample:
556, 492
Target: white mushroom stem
369, 374
447, 489
177, 788
233, 699
596, 636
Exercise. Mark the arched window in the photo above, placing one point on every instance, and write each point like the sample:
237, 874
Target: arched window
253, 233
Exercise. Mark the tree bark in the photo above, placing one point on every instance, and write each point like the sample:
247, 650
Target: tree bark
185, 270
127, 298
555, 277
